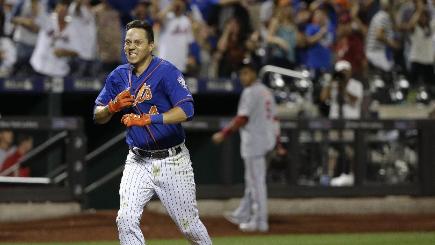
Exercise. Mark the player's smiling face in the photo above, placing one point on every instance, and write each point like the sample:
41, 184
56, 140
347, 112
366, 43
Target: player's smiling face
137, 48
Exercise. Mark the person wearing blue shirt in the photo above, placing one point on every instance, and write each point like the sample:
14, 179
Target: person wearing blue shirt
320, 37
154, 99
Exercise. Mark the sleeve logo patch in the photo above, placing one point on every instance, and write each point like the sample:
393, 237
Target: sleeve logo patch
182, 82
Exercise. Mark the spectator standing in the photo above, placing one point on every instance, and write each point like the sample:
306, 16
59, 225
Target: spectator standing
7, 7
199, 61
345, 96
421, 54
380, 38
176, 34
109, 39
25, 18
231, 48
8, 52
58, 41
81, 11
283, 37
351, 39
319, 38
143, 11
8, 56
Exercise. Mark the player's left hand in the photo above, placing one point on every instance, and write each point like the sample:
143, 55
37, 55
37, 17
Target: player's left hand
218, 138
136, 120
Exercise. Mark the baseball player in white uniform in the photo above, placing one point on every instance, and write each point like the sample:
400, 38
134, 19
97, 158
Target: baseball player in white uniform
258, 130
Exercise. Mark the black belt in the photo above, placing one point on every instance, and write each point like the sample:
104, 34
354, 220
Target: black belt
158, 154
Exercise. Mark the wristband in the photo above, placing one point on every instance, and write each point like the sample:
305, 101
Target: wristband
226, 132
157, 119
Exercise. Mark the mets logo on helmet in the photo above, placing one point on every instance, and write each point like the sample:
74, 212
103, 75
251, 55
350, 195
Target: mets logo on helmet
143, 94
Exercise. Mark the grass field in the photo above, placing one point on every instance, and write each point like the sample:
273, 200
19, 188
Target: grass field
403, 238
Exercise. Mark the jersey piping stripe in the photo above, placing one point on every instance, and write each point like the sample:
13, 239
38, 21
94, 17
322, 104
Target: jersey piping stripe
148, 129
145, 79
152, 136
181, 101
135, 93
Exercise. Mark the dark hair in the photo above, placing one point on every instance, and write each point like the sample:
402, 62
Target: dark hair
249, 63
142, 24
23, 137
64, 2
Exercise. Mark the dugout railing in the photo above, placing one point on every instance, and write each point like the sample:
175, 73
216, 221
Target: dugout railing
58, 141
219, 172
418, 134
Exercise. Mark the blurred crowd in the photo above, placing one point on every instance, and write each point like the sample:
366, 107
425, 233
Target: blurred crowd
211, 38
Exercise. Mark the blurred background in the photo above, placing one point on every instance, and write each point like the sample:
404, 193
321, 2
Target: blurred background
55, 56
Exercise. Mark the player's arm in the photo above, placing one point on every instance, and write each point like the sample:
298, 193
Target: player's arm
235, 124
102, 114
60, 52
26, 22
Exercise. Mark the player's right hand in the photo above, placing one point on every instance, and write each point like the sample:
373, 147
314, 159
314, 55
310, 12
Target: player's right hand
121, 101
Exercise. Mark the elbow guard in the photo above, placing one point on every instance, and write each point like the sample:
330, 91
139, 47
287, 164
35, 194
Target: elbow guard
187, 107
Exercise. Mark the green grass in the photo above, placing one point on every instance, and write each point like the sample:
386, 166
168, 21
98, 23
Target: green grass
403, 238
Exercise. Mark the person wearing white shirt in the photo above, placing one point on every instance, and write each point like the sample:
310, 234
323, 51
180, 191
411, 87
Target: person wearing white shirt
81, 10
176, 34
380, 39
345, 96
8, 56
421, 55
58, 40
26, 30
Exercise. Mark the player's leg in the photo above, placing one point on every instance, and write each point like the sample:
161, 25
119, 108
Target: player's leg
258, 190
243, 211
175, 186
135, 191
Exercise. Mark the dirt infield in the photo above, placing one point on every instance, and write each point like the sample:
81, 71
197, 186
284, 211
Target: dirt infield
101, 226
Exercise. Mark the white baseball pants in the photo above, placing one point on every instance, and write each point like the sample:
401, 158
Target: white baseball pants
253, 206
172, 180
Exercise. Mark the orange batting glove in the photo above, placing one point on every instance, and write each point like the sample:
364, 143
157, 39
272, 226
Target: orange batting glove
136, 120
121, 101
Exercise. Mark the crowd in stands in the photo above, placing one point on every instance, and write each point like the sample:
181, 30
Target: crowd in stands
210, 38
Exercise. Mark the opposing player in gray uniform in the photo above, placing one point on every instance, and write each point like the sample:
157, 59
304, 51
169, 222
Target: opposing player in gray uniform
258, 130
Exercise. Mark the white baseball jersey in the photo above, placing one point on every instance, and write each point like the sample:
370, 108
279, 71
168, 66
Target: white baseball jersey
50, 38
175, 39
258, 136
